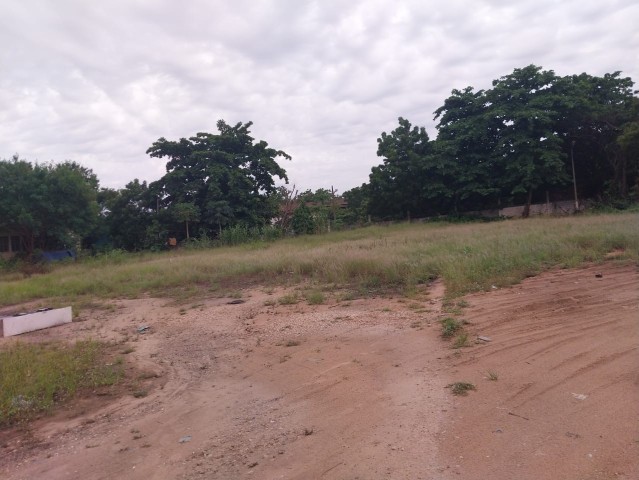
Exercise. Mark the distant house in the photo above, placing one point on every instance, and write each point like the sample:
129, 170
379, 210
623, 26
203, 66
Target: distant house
10, 244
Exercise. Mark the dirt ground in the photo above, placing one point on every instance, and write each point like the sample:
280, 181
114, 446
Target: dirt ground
358, 389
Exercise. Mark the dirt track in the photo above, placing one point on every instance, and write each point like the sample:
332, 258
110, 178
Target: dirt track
357, 390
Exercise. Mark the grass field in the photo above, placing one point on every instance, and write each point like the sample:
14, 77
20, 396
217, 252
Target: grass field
468, 257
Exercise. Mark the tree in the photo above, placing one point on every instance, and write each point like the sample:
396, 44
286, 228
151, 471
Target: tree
529, 147
227, 177
185, 213
467, 135
48, 205
302, 222
396, 185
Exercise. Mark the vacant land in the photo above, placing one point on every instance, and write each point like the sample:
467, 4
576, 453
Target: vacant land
317, 377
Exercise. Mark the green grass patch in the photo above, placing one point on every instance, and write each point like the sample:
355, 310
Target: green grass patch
450, 326
34, 377
315, 297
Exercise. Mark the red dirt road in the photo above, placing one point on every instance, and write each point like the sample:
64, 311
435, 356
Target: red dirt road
357, 390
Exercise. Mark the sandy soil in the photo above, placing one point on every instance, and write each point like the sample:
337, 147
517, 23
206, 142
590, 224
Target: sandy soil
357, 390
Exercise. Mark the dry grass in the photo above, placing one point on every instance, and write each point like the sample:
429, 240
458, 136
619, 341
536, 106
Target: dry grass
469, 257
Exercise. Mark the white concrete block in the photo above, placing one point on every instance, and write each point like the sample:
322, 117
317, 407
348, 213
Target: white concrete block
35, 321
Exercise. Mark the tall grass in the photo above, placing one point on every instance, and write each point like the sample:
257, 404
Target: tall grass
35, 376
468, 257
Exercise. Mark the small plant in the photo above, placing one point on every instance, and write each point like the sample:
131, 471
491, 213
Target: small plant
463, 304
492, 376
461, 388
141, 393
461, 340
270, 303
290, 299
315, 298
450, 326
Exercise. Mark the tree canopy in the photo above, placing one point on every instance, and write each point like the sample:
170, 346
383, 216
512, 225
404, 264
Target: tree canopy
225, 178
510, 144
47, 205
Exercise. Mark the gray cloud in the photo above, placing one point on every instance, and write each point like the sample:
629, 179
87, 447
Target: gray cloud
99, 82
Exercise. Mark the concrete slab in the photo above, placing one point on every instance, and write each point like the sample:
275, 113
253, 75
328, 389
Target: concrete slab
10, 326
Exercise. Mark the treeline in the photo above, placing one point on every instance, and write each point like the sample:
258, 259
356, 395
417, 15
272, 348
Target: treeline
533, 136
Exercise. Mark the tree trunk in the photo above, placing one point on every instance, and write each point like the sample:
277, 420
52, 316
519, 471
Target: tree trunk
187, 229
526, 212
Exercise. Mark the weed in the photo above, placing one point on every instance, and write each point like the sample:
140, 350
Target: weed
140, 393
490, 375
461, 388
463, 304
461, 341
450, 326
290, 299
270, 303
315, 298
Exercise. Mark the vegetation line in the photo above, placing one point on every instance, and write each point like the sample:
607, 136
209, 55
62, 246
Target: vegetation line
468, 257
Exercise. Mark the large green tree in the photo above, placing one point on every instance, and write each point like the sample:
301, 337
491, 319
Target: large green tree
227, 177
396, 185
47, 205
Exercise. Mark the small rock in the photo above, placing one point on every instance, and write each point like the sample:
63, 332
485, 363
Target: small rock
236, 302
254, 464
580, 396
184, 439
484, 339
143, 329
599, 275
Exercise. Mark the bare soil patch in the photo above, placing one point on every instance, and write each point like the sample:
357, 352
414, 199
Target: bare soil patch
357, 389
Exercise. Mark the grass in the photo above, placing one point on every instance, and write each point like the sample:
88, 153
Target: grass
461, 388
315, 297
461, 340
289, 299
34, 377
468, 257
450, 326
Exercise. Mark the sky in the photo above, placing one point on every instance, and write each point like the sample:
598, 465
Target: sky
97, 82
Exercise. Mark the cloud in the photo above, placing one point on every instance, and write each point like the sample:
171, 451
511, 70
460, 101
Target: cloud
99, 82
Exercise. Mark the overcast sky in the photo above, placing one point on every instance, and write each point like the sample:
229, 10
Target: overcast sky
98, 82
